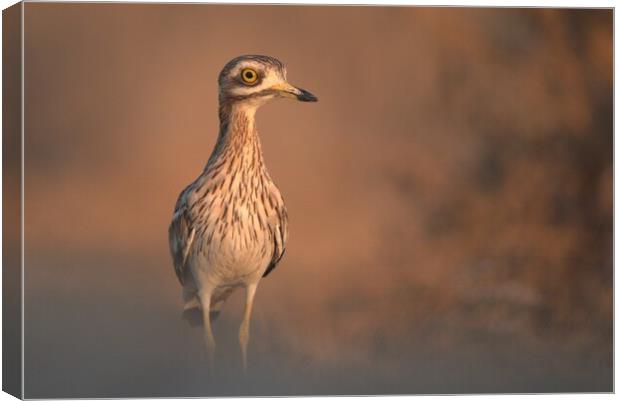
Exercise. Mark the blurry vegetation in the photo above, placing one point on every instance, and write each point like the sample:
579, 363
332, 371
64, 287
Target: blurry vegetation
523, 229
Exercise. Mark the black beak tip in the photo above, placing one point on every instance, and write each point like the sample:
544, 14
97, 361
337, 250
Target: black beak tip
306, 96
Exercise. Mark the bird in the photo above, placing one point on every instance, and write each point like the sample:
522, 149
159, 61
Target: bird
230, 225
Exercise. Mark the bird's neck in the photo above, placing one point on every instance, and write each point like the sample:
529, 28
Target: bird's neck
238, 140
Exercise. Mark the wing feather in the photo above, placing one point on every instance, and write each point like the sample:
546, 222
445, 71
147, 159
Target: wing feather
280, 235
181, 237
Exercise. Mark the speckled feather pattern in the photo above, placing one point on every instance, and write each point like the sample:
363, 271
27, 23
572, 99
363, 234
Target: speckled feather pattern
230, 225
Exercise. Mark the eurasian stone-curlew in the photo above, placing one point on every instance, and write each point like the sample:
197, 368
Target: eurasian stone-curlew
229, 227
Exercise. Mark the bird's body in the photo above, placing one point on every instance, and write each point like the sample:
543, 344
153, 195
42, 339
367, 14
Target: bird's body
236, 213
230, 225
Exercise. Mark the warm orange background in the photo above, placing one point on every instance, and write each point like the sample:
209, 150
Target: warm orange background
450, 199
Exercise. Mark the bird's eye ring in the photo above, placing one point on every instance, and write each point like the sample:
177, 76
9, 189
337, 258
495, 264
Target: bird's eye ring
249, 76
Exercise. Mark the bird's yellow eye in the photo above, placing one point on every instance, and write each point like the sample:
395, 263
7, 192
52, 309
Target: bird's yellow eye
249, 76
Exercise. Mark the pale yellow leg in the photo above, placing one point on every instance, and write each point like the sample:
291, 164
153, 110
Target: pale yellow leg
205, 300
244, 330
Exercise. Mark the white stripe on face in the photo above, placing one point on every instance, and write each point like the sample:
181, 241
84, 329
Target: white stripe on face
269, 76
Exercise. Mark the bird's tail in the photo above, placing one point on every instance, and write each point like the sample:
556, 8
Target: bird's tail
192, 311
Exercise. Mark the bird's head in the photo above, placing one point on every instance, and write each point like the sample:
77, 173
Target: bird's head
254, 80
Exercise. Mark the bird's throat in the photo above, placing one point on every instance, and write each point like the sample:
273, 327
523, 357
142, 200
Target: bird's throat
238, 137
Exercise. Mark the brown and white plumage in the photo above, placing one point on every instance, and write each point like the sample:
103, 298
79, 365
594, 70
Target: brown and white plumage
230, 225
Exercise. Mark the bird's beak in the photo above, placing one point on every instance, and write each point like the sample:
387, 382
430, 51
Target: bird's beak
287, 90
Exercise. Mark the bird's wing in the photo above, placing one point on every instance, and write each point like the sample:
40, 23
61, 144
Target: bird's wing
181, 237
279, 233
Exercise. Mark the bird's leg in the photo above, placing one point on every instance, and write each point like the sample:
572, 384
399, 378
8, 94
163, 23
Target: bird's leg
244, 330
205, 301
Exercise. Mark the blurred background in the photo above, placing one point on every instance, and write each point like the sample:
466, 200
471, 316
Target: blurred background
450, 199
